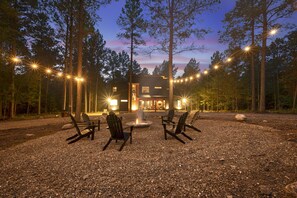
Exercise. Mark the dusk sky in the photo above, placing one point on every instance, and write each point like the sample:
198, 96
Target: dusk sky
212, 19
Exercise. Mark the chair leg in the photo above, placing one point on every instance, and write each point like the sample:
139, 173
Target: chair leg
72, 137
186, 136
123, 145
194, 128
131, 138
197, 129
176, 137
165, 134
75, 140
107, 144
93, 135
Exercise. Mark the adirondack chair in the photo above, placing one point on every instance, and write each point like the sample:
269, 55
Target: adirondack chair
88, 121
86, 132
179, 129
167, 119
116, 131
191, 123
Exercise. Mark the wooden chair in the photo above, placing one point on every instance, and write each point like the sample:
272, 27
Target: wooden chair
179, 129
86, 132
168, 119
191, 123
88, 121
116, 131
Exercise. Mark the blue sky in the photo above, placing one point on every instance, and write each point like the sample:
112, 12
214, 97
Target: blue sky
212, 19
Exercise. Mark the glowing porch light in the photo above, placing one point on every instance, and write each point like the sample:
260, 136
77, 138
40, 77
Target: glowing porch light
229, 60
68, 76
198, 75
184, 100
273, 32
181, 80
216, 67
205, 72
186, 79
134, 107
191, 78
247, 48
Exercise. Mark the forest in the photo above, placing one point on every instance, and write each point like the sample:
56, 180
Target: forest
54, 58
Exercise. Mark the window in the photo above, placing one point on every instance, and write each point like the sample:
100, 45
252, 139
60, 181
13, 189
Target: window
114, 89
158, 87
145, 89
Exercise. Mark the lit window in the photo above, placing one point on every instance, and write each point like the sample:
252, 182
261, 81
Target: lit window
114, 89
158, 87
113, 102
145, 89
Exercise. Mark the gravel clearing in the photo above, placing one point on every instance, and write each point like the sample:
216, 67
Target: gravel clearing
228, 159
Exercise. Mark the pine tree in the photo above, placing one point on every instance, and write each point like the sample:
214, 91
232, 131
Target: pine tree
132, 23
171, 24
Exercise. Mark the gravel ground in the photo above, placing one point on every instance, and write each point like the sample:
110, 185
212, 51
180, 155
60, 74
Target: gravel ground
228, 159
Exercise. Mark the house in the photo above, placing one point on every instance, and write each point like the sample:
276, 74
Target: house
149, 92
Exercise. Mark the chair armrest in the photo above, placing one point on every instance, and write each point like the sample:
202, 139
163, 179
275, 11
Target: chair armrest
168, 124
127, 127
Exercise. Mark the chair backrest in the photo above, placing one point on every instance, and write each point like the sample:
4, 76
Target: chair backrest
75, 124
170, 115
86, 119
115, 126
195, 117
181, 122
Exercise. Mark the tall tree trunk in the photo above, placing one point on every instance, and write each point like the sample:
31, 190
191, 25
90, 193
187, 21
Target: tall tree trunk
263, 60
277, 89
170, 61
86, 97
130, 74
90, 99
46, 95
39, 95
96, 94
12, 85
12, 102
66, 65
295, 98
70, 66
79, 61
253, 68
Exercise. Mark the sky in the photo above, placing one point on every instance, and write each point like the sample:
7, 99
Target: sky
211, 19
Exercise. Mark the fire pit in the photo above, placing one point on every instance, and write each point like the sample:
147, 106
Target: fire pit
139, 124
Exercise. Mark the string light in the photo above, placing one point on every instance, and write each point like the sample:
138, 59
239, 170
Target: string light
34, 66
228, 60
247, 48
60, 74
49, 71
273, 32
16, 59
